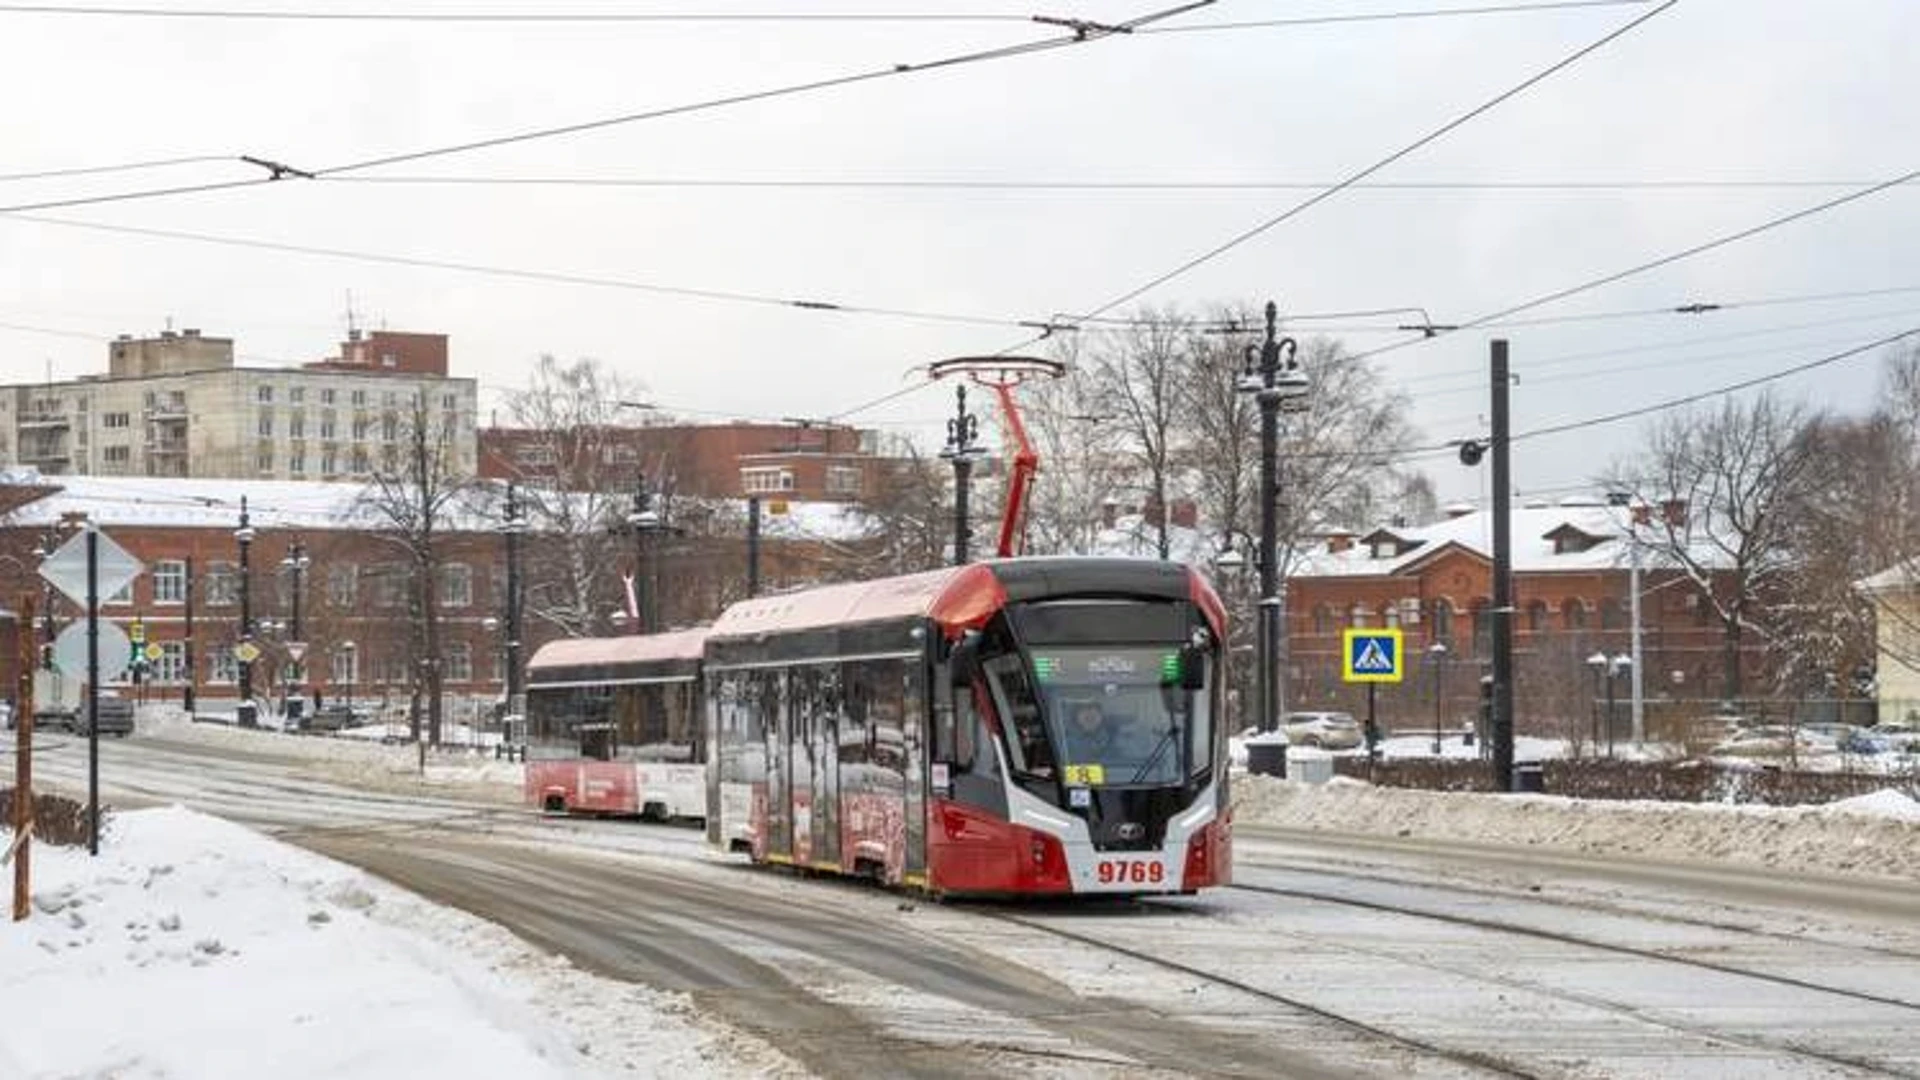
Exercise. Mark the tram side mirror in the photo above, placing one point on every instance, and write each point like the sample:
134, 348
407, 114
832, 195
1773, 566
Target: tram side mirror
964, 662
1193, 667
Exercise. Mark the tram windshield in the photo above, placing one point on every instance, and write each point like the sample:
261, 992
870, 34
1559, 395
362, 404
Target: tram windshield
1103, 716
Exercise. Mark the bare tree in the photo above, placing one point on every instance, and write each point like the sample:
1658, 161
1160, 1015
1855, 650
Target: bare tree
1080, 461
909, 514
1726, 483
1137, 373
576, 485
412, 501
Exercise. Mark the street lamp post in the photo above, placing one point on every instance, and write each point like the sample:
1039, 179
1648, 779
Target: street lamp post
1619, 665
1437, 653
644, 520
1276, 382
296, 561
1597, 663
961, 450
245, 716
513, 527
353, 669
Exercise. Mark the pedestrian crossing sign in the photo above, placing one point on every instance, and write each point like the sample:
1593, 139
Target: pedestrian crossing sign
1371, 655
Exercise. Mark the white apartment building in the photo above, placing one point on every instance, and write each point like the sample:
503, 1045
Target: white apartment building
177, 406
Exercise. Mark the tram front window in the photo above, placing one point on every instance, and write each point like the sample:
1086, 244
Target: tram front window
1116, 716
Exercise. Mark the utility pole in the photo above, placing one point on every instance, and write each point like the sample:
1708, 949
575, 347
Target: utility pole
645, 521
1277, 383
93, 689
245, 717
1502, 733
513, 528
295, 701
186, 646
961, 450
1633, 614
753, 545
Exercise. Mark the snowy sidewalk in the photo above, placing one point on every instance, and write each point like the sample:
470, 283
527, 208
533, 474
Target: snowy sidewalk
196, 948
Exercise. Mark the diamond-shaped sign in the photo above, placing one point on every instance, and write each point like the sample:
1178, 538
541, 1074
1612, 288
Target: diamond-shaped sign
246, 652
66, 568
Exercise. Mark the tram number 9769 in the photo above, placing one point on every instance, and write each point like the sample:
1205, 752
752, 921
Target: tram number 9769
1130, 872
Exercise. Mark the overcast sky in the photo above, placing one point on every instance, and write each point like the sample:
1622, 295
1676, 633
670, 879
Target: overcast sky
1729, 90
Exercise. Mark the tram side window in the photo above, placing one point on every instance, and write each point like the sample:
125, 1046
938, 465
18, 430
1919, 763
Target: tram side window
1027, 743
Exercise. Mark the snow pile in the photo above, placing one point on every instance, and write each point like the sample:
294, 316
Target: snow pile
1875, 834
196, 948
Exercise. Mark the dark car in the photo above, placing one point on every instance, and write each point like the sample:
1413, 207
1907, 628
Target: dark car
116, 717
332, 718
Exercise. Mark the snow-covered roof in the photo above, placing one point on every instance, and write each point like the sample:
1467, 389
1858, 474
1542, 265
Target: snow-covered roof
315, 505
1533, 530
1900, 576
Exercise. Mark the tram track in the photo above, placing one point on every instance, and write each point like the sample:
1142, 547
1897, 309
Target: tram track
1535, 895
1563, 938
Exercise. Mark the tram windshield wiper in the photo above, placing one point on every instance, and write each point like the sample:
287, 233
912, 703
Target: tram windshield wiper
1159, 748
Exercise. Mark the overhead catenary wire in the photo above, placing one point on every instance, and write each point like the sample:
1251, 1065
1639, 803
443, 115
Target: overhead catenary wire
1721, 241
125, 166
1081, 36
1078, 186
1424, 140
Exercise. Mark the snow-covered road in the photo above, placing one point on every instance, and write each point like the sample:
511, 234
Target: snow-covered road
1334, 955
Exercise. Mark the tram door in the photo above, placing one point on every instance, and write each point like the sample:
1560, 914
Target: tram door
779, 735
825, 703
802, 716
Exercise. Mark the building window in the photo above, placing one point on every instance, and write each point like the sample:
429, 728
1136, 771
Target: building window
326, 424
343, 585
329, 464
343, 668
843, 480
1441, 625
169, 581
360, 424
116, 455
460, 662
456, 585
389, 428
265, 426
263, 393
222, 667
389, 399
1482, 627
389, 458
388, 359
297, 426
360, 460
297, 394
1358, 615
177, 399
263, 459
222, 584
759, 481
115, 419
1537, 616
326, 395
171, 668
359, 397
1390, 615
388, 586
1322, 619
1573, 614
535, 456
619, 454
448, 401
1612, 616
297, 463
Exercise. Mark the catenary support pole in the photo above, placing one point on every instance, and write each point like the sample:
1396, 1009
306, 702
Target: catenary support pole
93, 689
23, 766
753, 545
1502, 734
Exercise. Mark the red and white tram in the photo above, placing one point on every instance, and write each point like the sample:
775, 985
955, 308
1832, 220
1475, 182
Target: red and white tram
613, 726
1025, 726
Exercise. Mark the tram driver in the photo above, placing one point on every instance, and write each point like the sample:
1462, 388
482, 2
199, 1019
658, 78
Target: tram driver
1089, 736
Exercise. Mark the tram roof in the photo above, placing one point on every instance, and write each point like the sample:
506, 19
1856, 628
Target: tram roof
957, 595
612, 656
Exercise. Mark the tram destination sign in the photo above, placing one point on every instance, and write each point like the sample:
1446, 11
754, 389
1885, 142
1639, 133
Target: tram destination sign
1117, 667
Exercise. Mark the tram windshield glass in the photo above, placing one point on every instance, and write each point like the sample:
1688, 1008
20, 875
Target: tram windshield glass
1110, 716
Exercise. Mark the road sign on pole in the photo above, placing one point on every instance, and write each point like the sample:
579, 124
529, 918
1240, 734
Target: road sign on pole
1370, 655
246, 652
70, 651
296, 650
66, 568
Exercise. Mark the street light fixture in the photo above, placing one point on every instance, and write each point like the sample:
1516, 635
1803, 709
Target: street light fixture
1437, 656
245, 716
1277, 383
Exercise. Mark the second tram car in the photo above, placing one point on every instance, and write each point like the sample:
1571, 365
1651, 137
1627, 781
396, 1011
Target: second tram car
1024, 726
613, 726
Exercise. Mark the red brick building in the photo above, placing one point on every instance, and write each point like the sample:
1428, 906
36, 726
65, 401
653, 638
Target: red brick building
357, 617
1572, 581
816, 463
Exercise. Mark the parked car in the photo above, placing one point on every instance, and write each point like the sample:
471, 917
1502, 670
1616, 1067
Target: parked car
1328, 730
332, 718
1900, 736
1771, 740
116, 717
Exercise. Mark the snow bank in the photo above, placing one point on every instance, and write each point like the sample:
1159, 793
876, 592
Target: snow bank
1875, 834
196, 948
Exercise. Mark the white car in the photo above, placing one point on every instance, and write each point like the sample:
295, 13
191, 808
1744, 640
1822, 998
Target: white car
1327, 730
